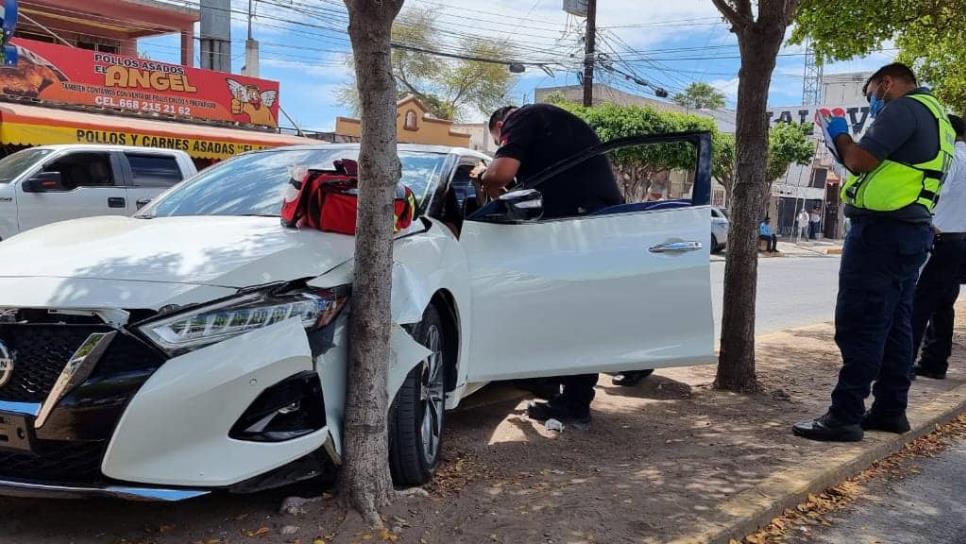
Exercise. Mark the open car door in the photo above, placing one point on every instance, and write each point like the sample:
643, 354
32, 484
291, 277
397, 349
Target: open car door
625, 288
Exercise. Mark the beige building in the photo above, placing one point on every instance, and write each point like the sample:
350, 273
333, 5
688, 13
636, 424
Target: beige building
480, 138
414, 125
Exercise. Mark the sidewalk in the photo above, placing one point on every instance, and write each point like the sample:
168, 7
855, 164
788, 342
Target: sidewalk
669, 460
810, 247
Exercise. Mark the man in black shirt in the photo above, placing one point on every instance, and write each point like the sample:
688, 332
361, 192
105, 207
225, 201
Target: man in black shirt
532, 138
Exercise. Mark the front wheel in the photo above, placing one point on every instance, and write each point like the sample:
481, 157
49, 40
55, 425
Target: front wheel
714, 244
417, 414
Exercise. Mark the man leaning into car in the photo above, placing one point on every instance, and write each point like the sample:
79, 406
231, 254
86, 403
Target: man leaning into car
532, 138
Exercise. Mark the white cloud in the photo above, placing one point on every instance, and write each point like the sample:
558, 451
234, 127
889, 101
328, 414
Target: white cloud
727, 86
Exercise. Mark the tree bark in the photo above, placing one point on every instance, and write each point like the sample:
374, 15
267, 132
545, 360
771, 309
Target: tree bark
759, 44
365, 482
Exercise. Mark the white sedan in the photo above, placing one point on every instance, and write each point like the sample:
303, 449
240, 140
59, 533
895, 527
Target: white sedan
201, 345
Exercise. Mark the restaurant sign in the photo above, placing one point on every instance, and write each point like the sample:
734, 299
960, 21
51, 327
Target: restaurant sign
65, 75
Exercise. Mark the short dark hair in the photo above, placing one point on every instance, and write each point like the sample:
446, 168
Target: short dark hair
896, 70
958, 125
500, 115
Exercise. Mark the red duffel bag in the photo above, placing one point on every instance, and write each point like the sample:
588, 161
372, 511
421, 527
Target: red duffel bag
327, 200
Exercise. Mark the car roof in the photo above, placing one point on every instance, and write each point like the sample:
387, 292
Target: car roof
104, 147
424, 148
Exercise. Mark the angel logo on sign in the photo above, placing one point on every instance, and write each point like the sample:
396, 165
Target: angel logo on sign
251, 101
6, 365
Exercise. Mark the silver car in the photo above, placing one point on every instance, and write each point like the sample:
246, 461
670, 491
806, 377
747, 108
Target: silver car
719, 229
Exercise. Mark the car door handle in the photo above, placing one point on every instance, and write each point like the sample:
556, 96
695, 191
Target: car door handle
116, 202
676, 247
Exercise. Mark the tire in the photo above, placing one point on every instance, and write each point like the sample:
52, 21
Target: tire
714, 244
417, 414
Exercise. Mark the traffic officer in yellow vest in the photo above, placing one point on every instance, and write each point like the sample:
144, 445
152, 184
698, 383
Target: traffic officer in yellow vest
897, 170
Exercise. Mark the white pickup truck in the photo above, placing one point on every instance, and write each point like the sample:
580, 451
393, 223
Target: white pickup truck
51, 183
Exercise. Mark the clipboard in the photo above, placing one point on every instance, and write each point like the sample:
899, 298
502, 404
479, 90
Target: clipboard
822, 122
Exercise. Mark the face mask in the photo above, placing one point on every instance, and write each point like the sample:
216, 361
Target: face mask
875, 105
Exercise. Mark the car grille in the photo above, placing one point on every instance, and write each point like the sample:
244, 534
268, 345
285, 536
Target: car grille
40, 353
56, 462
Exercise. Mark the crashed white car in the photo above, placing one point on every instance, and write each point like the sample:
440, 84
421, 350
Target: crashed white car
201, 345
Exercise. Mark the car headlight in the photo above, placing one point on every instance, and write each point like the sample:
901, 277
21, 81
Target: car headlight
206, 325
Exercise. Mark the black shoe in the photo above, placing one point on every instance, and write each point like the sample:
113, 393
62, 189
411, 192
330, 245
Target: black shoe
632, 378
920, 370
542, 411
895, 424
828, 429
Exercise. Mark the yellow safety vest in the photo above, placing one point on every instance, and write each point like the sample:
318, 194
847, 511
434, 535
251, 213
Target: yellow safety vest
894, 185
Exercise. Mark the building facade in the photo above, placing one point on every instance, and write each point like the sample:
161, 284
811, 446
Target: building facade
80, 79
818, 183
414, 125
107, 26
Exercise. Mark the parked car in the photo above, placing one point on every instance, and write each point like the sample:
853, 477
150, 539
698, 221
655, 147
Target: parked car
51, 183
719, 229
201, 345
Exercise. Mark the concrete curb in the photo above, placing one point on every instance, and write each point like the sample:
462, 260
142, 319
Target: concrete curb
756, 507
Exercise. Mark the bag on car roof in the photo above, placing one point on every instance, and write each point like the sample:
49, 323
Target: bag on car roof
328, 200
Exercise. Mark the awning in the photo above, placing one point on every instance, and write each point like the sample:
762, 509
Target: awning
21, 124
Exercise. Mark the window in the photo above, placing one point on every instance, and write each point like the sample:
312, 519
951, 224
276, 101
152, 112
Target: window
99, 46
819, 178
149, 170
46, 38
13, 165
462, 186
83, 170
253, 184
411, 123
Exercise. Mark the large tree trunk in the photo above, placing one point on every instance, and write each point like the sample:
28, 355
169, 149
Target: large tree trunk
365, 481
736, 363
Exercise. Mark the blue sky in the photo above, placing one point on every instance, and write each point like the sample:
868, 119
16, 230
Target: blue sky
667, 43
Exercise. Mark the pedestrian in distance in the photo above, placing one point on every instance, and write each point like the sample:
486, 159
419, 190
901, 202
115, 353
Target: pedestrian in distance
803, 223
765, 233
938, 285
814, 222
897, 170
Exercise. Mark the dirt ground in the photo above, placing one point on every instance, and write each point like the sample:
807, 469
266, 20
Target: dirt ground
654, 464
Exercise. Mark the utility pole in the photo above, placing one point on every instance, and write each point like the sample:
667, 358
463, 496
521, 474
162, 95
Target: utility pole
589, 42
251, 47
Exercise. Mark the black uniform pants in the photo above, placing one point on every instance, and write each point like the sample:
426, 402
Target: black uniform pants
936, 292
578, 391
873, 315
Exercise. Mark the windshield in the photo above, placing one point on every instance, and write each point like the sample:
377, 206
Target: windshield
253, 184
12, 166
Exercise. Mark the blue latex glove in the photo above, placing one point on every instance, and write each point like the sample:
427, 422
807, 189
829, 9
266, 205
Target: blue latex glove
837, 126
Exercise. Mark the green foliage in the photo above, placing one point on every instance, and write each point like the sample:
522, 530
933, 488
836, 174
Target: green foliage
450, 88
557, 99
788, 144
929, 34
700, 95
638, 164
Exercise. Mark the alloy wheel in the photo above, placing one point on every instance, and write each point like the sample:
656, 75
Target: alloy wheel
432, 394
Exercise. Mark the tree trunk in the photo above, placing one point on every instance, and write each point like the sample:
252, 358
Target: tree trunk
365, 481
736, 363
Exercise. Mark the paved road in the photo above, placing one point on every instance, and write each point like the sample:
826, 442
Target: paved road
792, 292
924, 508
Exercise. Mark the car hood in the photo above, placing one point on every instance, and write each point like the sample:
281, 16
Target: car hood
205, 250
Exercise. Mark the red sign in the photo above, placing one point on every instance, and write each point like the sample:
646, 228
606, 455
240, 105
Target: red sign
65, 75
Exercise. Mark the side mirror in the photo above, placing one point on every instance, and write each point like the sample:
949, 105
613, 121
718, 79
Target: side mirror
513, 207
43, 182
